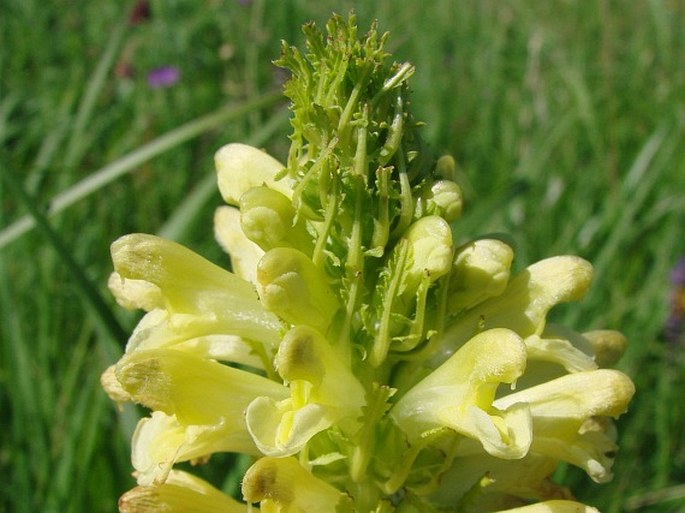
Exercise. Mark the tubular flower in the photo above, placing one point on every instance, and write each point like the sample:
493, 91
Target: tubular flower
361, 356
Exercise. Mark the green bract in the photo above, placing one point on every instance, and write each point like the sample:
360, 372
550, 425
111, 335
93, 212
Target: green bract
365, 359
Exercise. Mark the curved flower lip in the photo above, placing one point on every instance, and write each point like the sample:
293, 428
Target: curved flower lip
181, 493
158, 329
160, 441
240, 167
563, 411
283, 485
560, 351
316, 375
460, 393
191, 387
216, 299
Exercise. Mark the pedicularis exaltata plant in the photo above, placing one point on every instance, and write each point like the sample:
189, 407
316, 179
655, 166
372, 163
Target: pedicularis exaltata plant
363, 351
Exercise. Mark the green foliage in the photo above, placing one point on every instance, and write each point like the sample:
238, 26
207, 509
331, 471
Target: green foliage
566, 119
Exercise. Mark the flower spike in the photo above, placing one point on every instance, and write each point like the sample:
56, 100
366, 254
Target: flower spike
363, 351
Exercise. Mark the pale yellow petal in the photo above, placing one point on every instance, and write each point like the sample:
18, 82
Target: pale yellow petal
563, 413
160, 441
560, 506
181, 493
316, 375
240, 167
135, 294
196, 335
282, 485
524, 304
112, 387
244, 253
211, 298
196, 390
460, 393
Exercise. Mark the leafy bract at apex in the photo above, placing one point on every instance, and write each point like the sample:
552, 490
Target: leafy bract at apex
350, 113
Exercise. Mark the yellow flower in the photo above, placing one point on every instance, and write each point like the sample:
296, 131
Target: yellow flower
282, 485
181, 493
361, 356
460, 393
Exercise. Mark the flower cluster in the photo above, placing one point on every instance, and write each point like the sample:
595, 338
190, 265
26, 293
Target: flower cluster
364, 355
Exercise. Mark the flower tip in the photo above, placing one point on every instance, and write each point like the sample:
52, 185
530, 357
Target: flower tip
181, 493
112, 386
554, 506
240, 167
285, 484
608, 346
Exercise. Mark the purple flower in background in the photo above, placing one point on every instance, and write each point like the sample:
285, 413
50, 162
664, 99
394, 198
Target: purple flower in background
675, 324
166, 76
678, 274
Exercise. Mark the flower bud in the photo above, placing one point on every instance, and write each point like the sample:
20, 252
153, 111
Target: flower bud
268, 218
291, 286
446, 167
480, 271
430, 240
443, 198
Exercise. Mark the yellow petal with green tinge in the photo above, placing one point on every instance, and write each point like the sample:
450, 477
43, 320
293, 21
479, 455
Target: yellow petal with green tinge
460, 393
244, 253
181, 493
240, 167
282, 485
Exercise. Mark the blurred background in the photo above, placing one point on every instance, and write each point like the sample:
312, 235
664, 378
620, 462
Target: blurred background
567, 119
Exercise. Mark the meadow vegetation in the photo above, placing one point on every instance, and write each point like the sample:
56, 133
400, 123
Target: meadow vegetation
567, 120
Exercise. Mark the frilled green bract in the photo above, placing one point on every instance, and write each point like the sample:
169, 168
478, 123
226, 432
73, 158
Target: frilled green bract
366, 357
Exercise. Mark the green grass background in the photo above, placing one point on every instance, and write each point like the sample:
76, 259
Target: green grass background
567, 119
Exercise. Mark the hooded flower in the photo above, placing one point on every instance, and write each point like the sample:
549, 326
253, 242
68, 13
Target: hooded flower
361, 351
